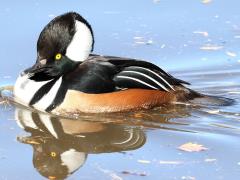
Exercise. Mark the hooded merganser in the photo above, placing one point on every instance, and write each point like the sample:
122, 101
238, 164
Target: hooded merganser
67, 78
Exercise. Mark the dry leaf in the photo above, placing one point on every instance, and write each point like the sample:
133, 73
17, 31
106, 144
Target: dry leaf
171, 162
210, 160
144, 161
192, 147
211, 47
134, 173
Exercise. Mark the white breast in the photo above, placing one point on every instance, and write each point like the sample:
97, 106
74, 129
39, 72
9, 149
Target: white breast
25, 88
46, 100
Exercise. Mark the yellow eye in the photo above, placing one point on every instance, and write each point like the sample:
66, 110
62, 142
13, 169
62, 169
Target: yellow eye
58, 56
53, 154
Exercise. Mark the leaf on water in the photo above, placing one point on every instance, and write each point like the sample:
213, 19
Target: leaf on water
171, 162
134, 173
192, 147
211, 47
144, 161
210, 160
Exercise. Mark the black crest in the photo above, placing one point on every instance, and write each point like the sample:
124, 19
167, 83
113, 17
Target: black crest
57, 35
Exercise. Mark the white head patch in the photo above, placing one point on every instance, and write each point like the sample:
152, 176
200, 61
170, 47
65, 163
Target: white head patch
81, 44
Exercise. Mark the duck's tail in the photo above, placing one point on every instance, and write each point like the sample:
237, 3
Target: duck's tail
195, 98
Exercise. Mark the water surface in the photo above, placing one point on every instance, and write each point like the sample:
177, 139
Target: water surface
196, 42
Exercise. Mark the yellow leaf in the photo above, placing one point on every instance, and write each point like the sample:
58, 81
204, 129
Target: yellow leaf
192, 147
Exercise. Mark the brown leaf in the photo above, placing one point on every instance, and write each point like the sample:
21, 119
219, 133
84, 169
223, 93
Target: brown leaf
134, 173
192, 147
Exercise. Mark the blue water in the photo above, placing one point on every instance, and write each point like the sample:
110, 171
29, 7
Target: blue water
167, 33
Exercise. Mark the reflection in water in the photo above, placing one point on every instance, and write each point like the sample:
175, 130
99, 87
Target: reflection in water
61, 146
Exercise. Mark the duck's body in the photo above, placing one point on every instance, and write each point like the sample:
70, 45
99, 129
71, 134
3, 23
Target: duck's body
112, 84
68, 79
102, 84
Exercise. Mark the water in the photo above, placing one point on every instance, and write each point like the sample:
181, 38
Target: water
136, 145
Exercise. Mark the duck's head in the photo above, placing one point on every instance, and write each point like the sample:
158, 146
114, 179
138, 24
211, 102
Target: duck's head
63, 43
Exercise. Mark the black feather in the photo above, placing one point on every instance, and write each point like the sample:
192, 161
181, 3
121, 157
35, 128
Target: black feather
91, 77
101, 74
121, 63
42, 92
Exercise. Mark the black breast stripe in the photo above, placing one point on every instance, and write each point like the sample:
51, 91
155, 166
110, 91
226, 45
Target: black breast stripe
42, 91
59, 96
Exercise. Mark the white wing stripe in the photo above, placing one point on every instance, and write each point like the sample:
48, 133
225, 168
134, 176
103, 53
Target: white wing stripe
156, 75
138, 80
148, 78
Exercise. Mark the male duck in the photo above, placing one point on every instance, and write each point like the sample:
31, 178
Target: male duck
67, 78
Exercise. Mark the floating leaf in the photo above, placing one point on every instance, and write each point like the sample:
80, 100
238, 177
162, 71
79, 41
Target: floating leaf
210, 160
144, 161
211, 47
192, 147
134, 173
171, 162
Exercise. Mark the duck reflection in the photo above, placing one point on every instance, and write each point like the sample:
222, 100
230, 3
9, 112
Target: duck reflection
61, 146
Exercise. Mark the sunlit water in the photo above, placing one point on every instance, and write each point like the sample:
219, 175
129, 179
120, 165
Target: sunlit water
135, 145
